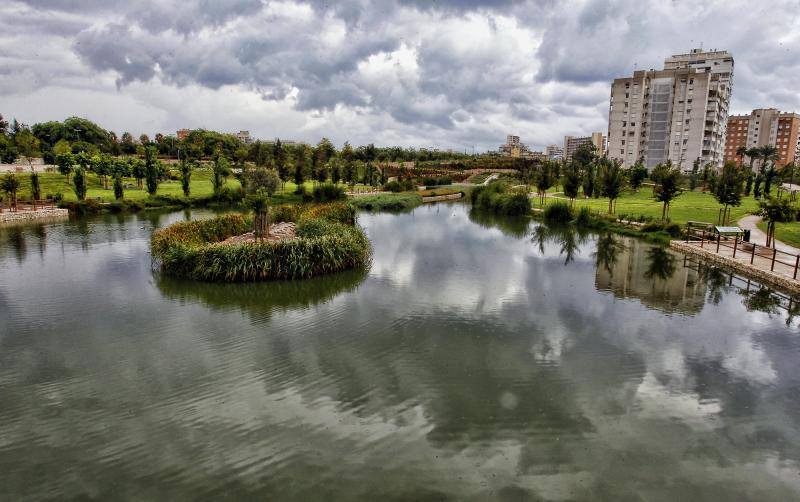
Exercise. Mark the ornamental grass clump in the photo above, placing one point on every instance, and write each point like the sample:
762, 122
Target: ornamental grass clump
327, 240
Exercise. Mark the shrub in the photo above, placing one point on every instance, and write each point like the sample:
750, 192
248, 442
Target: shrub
584, 217
327, 192
558, 212
393, 186
496, 197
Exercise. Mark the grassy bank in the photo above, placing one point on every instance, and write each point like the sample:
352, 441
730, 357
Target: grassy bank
695, 206
402, 201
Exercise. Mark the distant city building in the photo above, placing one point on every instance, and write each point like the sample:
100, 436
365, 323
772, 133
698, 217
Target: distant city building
572, 143
554, 152
679, 113
244, 137
182, 133
764, 126
512, 146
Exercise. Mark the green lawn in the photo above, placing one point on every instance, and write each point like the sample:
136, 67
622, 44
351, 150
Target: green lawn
201, 186
696, 206
788, 233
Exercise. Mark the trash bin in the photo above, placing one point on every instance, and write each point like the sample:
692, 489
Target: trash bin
746, 236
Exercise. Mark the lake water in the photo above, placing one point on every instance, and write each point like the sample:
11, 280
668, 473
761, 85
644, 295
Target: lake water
478, 359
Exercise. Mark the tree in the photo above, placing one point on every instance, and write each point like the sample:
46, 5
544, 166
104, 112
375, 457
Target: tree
27, 145
757, 186
637, 175
259, 203
776, 211
749, 184
101, 165
220, 172
151, 169
693, 176
144, 140
611, 180
127, 145
589, 180
336, 171
279, 159
79, 181
119, 190
571, 181
667, 179
545, 178
752, 154
138, 171
65, 163
10, 185
769, 154
741, 152
186, 176
264, 180
8, 152
728, 191
36, 189
585, 155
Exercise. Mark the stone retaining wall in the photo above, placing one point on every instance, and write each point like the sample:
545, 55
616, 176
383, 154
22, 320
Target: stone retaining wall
437, 198
39, 214
774, 279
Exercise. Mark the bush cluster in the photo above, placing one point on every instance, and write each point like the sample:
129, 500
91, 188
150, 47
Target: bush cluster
388, 202
498, 198
559, 212
328, 192
399, 186
327, 241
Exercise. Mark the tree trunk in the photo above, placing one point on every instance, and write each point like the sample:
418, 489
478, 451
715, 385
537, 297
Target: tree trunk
610, 206
664, 211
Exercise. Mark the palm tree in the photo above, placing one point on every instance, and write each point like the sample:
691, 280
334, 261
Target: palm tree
752, 154
768, 153
741, 152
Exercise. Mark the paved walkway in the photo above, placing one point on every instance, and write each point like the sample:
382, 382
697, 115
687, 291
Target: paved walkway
750, 222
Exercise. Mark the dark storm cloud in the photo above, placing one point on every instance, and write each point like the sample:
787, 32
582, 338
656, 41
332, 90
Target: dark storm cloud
462, 71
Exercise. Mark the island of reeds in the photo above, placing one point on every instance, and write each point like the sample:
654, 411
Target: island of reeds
319, 239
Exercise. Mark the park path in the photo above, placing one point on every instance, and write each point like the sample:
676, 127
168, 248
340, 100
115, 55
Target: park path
750, 222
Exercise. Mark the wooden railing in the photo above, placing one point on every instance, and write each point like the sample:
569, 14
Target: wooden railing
28, 205
712, 241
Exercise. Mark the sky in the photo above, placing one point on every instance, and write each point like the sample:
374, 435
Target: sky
436, 74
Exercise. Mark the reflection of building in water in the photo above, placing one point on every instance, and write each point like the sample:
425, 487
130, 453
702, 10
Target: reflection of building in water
631, 276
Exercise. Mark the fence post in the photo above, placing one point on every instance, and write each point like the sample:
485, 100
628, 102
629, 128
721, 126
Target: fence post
719, 239
774, 252
753, 255
735, 244
796, 263
703, 238
688, 229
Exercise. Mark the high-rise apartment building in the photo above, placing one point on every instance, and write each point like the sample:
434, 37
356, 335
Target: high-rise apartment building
764, 126
572, 143
679, 113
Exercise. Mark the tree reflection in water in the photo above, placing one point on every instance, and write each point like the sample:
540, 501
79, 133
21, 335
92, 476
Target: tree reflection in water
567, 236
716, 280
608, 251
660, 264
762, 300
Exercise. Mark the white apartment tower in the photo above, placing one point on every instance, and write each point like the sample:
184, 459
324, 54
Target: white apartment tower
679, 113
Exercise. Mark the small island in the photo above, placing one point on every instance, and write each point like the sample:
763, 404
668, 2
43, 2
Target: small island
306, 241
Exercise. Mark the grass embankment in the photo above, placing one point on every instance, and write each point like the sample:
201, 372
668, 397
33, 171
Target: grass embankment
640, 206
788, 233
402, 201
328, 240
560, 213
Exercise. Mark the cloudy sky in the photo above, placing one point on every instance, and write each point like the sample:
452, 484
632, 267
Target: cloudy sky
444, 74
